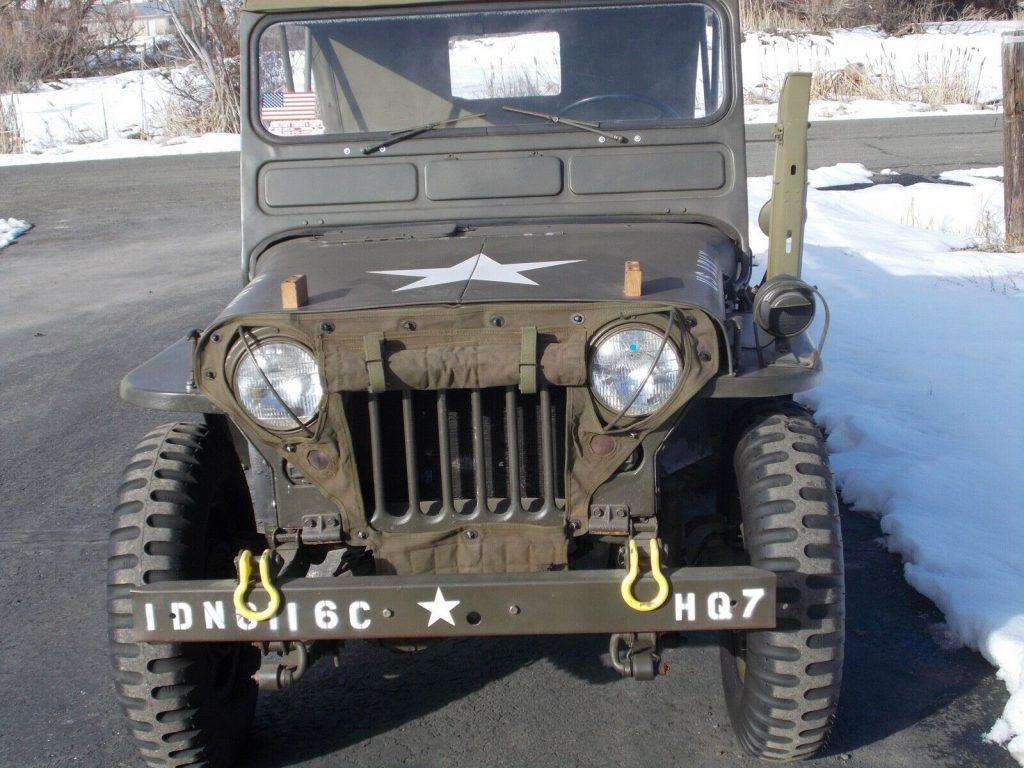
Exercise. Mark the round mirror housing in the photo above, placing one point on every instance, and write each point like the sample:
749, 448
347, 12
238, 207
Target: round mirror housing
784, 306
764, 217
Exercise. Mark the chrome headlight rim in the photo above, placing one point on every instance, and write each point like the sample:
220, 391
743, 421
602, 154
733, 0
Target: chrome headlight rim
629, 416
259, 338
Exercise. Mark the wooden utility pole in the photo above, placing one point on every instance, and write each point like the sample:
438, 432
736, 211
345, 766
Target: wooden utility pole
1013, 138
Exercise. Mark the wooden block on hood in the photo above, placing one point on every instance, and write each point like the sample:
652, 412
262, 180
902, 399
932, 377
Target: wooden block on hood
293, 292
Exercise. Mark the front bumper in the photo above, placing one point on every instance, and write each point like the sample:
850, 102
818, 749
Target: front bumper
457, 605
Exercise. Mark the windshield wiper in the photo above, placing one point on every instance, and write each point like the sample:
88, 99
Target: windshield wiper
408, 133
581, 124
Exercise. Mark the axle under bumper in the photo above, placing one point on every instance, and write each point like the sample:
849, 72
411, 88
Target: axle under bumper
457, 605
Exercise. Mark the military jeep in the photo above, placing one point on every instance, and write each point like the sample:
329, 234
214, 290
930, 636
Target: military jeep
498, 367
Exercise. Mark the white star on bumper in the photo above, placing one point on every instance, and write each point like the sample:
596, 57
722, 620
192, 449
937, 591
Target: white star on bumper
440, 609
480, 267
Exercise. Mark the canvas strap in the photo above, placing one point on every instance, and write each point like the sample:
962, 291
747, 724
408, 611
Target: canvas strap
528, 361
373, 348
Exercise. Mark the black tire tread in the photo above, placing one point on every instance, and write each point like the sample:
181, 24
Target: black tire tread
152, 540
785, 707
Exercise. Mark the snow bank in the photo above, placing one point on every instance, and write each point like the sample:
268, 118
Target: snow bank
100, 118
923, 400
91, 109
862, 109
107, 117
963, 54
111, 149
11, 229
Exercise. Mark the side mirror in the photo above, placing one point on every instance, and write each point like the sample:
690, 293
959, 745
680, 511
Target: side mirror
764, 217
784, 306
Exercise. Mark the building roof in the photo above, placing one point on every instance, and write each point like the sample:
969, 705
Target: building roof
147, 10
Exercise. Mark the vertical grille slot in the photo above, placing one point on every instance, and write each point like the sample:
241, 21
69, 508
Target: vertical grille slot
547, 460
444, 451
409, 438
479, 465
463, 454
377, 454
512, 440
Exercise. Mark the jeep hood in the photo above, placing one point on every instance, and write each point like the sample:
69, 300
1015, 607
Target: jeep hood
682, 263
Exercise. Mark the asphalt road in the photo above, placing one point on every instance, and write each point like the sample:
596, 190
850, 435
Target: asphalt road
125, 256
916, 145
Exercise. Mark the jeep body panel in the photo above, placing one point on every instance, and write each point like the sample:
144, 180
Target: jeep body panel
683, 263
374, 607
165, 382
295, 186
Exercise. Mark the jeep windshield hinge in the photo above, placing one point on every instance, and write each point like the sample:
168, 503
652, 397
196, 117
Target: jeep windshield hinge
782, 217
621, 520
321, 529
190, 380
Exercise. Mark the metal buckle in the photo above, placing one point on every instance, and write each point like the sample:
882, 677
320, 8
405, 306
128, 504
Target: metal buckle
244, 576
633, 574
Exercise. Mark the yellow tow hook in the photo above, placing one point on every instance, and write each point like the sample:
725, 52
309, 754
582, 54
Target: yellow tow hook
244, 576
633, 572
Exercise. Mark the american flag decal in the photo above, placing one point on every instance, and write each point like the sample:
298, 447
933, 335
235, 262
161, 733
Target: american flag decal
288, 105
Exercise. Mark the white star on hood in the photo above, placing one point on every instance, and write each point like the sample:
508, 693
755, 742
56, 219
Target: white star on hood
480, 267
440, 609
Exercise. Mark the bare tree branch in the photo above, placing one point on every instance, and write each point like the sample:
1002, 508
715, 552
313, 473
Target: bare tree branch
207, 90
49, 40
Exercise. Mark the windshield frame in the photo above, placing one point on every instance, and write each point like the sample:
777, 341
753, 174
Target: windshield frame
268, 20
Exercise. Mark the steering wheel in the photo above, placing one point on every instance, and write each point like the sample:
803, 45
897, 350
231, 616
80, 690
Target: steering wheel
665, 109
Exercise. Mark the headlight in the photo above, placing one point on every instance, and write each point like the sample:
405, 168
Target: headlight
619, 364
293, 374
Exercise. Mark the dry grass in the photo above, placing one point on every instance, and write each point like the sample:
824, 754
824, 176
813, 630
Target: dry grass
10, 127
78, 132
192, 117
894, 16
1004, 283
854, 81
195, 105
500, 83
987, 235
989, 232
953, 77
205, 94
774, 16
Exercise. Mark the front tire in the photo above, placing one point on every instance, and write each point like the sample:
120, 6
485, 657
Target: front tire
184, 512
782, 685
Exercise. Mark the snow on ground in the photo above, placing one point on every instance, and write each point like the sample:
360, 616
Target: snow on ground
949, 67
11, 229
863, 109
111, 149
86, 110
99, 118
922, 398
103, 117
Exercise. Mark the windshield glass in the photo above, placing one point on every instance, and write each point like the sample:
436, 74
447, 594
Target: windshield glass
605, 65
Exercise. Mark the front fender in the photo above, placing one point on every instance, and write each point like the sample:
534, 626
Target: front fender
161, 383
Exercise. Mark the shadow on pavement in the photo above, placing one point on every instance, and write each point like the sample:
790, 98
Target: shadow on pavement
895, 677
895, 674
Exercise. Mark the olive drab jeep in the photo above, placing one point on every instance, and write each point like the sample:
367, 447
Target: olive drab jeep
498, 366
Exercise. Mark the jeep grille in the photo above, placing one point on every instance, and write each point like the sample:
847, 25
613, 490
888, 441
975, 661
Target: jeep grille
483, 454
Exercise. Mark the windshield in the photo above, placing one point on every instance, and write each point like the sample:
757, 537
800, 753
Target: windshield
604, 65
